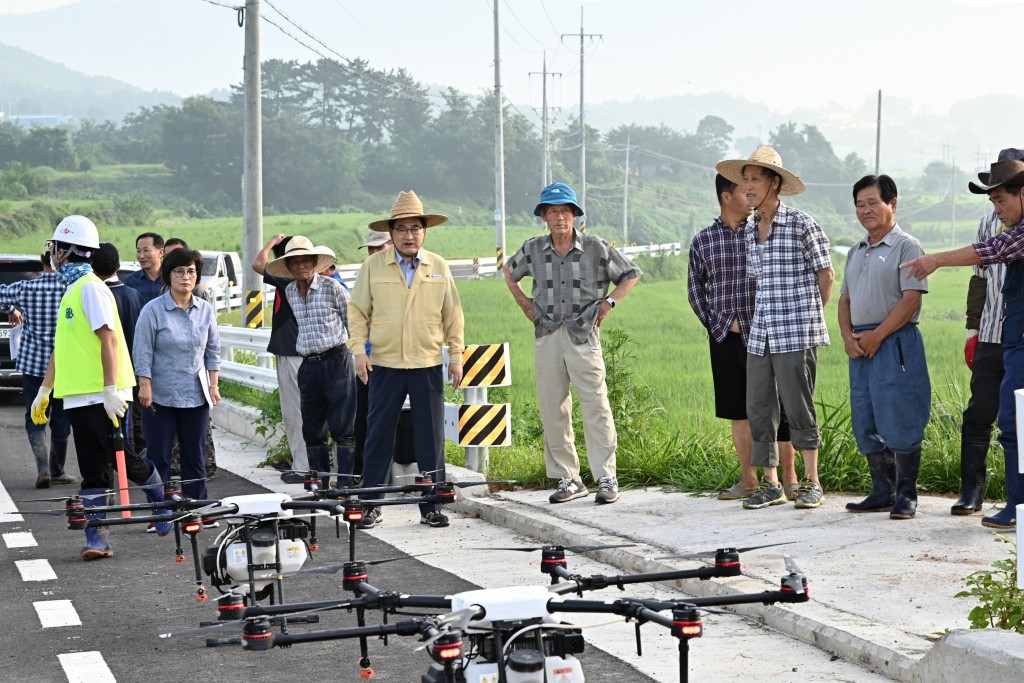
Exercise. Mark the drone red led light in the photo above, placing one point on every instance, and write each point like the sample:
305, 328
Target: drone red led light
192, 528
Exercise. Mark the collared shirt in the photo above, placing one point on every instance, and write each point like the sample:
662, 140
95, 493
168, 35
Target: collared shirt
322, 316
1005, 247
149, 289
788, 313
873, 280
568, 290
990, 330
717, 283
39, 300
408, 269
174, 347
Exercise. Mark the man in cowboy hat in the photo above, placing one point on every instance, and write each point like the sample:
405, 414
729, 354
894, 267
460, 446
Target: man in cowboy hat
788, 255
878, 313
1004, 185
571, 272
405, 300
326, 378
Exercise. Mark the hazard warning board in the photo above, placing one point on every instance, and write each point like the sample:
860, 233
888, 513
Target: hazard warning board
484, 365
479, 425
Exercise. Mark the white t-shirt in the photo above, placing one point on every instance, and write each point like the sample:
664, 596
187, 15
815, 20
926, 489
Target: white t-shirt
100, 310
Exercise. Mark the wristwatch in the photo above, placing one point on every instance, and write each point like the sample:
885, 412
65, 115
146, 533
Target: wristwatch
610, 301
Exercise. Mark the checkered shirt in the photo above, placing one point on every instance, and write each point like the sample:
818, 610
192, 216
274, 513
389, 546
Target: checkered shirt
991, 326
1005, 247
717, 283
568, 291
39, 301
322, 316
787, 309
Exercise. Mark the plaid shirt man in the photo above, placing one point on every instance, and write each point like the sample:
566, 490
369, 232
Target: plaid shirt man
717, 283
568, 291
39, 300
1005, 247
322, 315
787, 310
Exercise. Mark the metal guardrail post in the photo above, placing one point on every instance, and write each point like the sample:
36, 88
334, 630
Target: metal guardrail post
476, 456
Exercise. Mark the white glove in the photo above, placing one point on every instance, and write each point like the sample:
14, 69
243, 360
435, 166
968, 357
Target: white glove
113, 404
40, 404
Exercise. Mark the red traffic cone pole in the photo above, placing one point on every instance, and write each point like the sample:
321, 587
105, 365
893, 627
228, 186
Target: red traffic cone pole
122, 471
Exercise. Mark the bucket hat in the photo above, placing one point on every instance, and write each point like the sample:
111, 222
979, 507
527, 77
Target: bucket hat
408, 205
558, 193
765, 157
298, 246
375, 238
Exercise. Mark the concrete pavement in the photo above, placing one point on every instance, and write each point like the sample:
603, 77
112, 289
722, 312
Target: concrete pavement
881, 590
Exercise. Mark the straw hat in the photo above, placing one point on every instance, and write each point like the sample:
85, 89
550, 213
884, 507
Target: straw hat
408, 205
765, 157
298, 246
1008, 170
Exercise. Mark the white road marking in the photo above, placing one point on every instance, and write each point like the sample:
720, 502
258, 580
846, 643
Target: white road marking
20, 539
8, 511
86, 667
35, 570
56, 613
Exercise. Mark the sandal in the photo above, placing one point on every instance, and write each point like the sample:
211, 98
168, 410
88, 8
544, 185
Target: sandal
736, 492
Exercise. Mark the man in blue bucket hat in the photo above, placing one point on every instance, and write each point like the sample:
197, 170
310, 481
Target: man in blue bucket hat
571, 273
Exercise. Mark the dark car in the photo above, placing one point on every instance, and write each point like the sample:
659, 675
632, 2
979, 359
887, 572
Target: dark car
13, 267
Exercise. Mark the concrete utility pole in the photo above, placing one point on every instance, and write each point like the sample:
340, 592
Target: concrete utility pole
252, 178
878, 134
952, 195
625, 197
545, 176
499, 156
583, 125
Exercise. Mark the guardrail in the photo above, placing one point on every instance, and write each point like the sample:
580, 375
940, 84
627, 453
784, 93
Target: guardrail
462, 269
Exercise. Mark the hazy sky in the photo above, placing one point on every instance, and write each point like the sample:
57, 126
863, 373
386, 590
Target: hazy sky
785, 53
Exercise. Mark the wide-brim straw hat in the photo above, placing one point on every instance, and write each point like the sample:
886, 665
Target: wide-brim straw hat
1004, 172
765, 157
408, 205
297, 246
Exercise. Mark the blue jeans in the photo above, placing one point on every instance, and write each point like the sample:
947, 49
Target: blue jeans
60, 428
890, 394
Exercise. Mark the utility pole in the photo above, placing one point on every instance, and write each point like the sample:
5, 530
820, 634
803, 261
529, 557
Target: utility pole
252, 178
499, 160
545, 178
625, 197
878, 134
583, 125
952, 194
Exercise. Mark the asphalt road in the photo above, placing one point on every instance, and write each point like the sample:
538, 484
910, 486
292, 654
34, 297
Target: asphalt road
123, 603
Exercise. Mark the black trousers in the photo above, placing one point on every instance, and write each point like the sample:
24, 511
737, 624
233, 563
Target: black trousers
983, 406
94, 446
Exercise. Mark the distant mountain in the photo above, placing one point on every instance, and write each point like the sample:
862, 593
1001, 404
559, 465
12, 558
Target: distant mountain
31, 85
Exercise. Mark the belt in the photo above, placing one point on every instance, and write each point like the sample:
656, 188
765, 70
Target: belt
317, 357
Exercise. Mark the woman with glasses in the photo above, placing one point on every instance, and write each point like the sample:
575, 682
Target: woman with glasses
177, 361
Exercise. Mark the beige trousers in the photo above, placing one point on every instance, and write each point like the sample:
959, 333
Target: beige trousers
558, 361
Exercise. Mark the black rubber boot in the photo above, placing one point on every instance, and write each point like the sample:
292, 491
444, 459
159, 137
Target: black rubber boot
907, 467
974, 443
883, 484
38, 442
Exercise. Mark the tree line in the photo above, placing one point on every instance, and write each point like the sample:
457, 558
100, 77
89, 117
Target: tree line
340, 137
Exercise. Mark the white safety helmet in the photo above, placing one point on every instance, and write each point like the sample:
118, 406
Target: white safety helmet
79, 231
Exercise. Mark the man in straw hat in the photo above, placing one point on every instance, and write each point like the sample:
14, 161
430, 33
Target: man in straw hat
1004, 185
571, 273
405, 301
788, 255
327, 390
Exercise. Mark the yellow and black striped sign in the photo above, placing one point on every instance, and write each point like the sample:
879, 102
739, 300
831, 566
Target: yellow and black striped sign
484, 425
486, 365
499, 257
254, 308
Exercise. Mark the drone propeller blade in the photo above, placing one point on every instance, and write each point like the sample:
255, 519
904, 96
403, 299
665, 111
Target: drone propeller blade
52, 513
58, 499
712, 553
226, 627
791, 565
335, 568
570, 548
467, 484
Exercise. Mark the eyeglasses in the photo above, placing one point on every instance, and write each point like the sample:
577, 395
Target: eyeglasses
412, 231
190, 273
